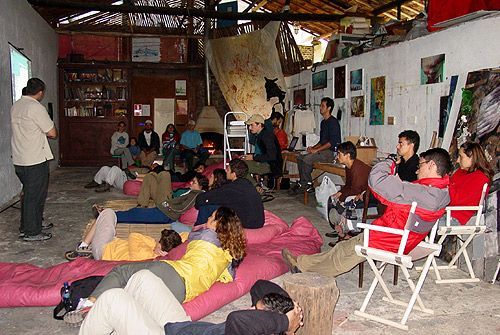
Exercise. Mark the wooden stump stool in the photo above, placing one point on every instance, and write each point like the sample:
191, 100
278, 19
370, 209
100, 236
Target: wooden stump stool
317, 295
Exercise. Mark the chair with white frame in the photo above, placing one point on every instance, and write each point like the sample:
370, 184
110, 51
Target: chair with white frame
424, 249
474, 227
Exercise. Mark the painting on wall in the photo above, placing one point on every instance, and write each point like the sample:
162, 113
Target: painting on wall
358, 106
432, 69
180, 87
356, 80
319, 80
146, 49
377, 101
339, 82
478, 118
182, 107
299, 97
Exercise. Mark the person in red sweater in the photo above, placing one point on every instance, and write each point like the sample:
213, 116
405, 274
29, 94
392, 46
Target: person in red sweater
430, 191
466, 184
277, 120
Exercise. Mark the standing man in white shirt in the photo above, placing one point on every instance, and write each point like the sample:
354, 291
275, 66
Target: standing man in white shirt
31, 126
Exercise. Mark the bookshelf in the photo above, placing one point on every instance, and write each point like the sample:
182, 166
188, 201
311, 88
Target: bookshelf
93, 98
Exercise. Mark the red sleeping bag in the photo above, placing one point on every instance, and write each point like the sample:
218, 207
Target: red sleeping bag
28, 285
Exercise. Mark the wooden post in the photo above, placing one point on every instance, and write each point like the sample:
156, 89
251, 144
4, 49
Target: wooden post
317, 295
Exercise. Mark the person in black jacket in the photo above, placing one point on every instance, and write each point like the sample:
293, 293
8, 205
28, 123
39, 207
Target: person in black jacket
275, 313
267, 158
239, 194
149, 142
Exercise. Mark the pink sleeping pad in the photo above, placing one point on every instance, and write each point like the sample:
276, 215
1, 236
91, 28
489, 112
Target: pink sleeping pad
23, 285
133, 187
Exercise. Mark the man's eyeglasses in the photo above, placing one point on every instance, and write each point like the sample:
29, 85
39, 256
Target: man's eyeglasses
420, 163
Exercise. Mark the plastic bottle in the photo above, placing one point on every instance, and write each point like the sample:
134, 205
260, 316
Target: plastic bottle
65, 291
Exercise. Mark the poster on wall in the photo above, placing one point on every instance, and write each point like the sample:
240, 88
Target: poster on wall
478, 119
146, 50
358, 106
299, 97
319, 80
356, 82
444, 111
182, 107
339, 82
180, 87
377, 101
432, 69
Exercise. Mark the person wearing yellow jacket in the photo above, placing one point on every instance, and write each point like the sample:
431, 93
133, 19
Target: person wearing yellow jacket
100, 241
212, 255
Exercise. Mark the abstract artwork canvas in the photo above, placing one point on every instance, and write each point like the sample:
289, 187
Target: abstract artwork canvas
319, 80
356, 80
358, 106
299, 97
432, 69
339, 82
478, 118
377, 101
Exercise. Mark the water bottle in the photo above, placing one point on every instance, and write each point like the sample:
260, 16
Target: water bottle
65, 292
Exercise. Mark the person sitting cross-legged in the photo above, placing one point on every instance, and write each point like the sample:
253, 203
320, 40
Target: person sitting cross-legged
430, 191
268, 159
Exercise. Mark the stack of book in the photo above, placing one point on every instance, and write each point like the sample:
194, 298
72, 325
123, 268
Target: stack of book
355, 25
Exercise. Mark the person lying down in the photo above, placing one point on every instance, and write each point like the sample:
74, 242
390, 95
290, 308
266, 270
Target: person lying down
101, 244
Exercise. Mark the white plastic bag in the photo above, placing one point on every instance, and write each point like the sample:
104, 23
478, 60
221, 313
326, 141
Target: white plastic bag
323, 193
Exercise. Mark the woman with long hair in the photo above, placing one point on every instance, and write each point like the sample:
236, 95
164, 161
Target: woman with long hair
170, 140
217, 179
212, 254
466, 183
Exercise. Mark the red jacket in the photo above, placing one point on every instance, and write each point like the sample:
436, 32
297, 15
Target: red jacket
431, 195
465, 190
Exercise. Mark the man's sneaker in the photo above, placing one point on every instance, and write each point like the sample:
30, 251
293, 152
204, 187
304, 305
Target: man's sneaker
129, 174
92, 184
309, 188
73, 254
295, 188
47, 225
37, 238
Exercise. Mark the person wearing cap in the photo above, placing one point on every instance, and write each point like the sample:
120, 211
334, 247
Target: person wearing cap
149, 142
191, 146
323, 151
268, 159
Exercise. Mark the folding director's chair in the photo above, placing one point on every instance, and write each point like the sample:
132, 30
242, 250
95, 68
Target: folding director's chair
472, 230
422, 250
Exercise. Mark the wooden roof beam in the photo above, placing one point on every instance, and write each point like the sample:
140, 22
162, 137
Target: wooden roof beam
389, 6
191, 12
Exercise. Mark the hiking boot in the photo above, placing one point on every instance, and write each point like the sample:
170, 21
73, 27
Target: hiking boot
73, 254
129, 174
92, 184
37, 238
103, 188
290, 260
76, 317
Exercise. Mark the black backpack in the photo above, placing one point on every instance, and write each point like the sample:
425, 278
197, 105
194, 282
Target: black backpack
78, 289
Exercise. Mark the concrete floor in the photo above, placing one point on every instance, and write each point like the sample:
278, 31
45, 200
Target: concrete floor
459, 309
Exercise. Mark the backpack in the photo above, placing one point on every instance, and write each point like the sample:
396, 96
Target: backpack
78, 289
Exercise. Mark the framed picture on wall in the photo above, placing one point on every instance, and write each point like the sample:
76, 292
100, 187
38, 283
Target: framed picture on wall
319, 80
432, 69
356, 82
299, 97
339, 82
180, 87
182, 107
377, 101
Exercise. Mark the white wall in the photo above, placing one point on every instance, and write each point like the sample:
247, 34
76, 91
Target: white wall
468, 47
21, 25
